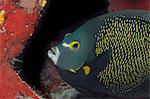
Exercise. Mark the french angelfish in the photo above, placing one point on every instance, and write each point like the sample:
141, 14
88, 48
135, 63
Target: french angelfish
107, 54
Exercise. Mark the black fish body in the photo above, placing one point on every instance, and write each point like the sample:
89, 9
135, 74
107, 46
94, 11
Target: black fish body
112, 55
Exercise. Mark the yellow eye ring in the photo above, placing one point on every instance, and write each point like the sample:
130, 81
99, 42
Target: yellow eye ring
75, 45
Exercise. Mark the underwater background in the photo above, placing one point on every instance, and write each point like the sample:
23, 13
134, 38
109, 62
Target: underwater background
60, 17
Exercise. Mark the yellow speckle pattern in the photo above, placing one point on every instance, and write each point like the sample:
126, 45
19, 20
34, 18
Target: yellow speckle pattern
2, 17
128, 37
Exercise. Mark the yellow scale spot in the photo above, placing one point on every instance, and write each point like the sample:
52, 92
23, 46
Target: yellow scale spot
43, 3
86, 70
67, 34
2, 17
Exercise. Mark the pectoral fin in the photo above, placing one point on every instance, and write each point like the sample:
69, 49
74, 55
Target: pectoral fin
101, 61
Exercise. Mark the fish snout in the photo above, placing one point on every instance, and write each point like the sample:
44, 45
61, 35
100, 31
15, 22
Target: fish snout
54, 54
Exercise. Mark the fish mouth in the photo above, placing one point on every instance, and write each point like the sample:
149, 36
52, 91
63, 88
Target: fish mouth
54, 54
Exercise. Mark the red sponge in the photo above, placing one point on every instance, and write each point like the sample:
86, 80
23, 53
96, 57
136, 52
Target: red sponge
17, 24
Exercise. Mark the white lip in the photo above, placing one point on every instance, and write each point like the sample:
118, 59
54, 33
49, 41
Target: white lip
54, 54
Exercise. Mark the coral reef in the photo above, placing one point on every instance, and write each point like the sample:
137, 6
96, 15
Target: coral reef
17, 21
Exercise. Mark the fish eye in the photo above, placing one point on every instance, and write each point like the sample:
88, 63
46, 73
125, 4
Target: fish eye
74, 45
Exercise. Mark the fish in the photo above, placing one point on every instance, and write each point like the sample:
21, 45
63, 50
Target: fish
108, 54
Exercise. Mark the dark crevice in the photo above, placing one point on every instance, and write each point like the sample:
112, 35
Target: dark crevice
60, 16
